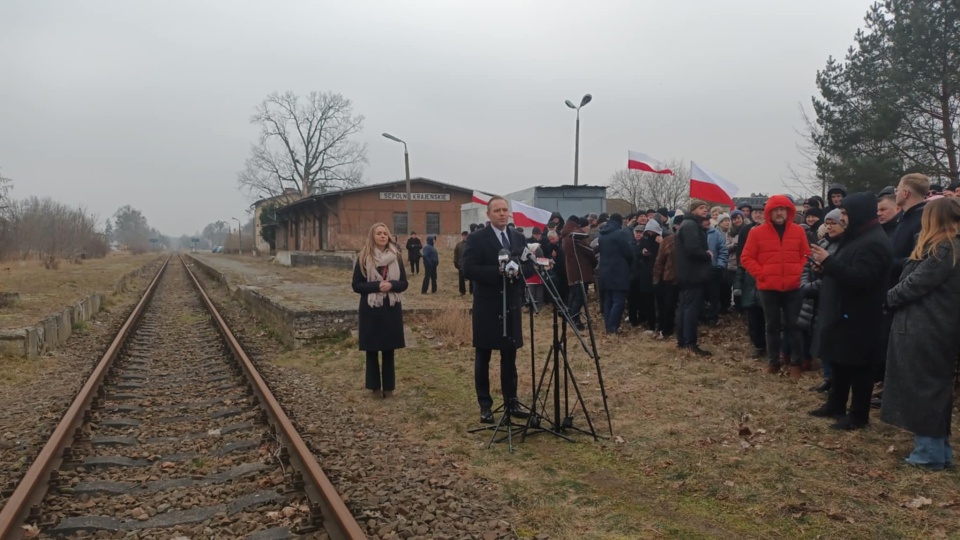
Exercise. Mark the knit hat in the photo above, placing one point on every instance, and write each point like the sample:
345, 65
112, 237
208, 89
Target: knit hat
722, 217
696, 203
653, 225
676, 220
735, 213
834, 215
663, 212
813, 211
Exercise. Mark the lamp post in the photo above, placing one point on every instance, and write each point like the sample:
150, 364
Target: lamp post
576, 160
239, 237
406, 164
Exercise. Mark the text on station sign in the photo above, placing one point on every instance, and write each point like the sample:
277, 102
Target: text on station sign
401, 196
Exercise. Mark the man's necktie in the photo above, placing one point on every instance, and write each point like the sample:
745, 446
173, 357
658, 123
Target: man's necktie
503, 240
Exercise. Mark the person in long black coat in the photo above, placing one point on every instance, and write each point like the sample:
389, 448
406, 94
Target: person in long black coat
414, 245
924, 342
852, 295
380, 279
481, 266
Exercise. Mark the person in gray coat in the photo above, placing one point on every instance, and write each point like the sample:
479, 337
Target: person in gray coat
924, 342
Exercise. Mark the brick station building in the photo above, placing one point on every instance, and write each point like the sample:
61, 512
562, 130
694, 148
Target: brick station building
341, 220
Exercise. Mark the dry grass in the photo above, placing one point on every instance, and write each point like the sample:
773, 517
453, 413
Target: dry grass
45, 291
702, 449
17, 371
450, 327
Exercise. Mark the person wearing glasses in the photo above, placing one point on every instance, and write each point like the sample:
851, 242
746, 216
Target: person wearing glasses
832, 233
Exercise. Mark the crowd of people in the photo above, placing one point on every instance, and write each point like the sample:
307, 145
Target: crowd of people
864, 284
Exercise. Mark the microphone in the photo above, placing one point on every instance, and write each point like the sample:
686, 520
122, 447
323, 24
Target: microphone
528, 256
507, 266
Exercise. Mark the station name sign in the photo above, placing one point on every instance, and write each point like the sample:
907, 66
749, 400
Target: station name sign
402, 196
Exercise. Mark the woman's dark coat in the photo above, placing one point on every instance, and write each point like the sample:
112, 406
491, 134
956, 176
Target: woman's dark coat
481, 267
923, 346
413, 248
854, 289
810, 283
381, 329
641, 273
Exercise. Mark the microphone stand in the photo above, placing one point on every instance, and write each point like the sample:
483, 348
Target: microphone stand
593, 338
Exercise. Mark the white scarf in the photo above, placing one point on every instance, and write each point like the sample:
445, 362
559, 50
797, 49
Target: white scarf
379, 260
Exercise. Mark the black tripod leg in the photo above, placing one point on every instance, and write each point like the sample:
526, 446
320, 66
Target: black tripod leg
586, 413
596, 360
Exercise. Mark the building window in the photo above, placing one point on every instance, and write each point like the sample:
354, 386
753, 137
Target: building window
433, 222
400, 223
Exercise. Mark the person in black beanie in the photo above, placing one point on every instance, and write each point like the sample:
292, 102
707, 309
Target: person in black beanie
813, 219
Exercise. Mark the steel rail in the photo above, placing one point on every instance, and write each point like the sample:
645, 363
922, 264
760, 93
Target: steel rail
33, 486
338, 521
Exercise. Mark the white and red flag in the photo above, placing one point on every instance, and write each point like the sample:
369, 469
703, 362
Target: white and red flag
641, 162
710, 187
480, 198
525, 215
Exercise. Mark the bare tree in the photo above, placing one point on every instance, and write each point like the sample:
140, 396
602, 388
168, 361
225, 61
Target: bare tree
50, 231
648, 190
6, 185
803, 180
304, 144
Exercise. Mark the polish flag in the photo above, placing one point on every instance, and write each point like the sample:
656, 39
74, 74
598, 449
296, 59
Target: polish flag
480, 198
642, 162
710, 187
525, 215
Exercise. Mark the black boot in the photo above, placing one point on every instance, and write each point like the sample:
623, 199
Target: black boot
826, 411
848, 423
823, 386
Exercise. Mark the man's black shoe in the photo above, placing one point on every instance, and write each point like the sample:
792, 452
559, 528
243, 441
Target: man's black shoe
486, 416
517, 412
848, 424
823, 386
826, 412
695, 349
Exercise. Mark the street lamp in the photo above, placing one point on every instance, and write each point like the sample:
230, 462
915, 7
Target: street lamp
239, 237
576, 160
406, 164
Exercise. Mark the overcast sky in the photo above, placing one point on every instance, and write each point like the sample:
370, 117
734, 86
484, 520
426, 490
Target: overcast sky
105, 103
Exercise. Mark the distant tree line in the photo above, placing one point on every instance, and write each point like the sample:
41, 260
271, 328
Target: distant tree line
44, 229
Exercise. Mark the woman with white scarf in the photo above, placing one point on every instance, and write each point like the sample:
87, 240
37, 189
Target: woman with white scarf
379, 278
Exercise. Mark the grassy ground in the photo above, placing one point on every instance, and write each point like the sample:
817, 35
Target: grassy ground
701, 449
43, 292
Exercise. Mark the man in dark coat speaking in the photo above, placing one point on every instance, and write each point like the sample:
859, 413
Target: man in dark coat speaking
481, 266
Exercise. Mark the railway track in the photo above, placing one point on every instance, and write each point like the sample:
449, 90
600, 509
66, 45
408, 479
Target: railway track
175, 434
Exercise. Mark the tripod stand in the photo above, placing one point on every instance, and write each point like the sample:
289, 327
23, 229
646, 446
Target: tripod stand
558, 350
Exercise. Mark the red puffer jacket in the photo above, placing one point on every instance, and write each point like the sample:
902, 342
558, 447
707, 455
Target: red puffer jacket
776, 264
